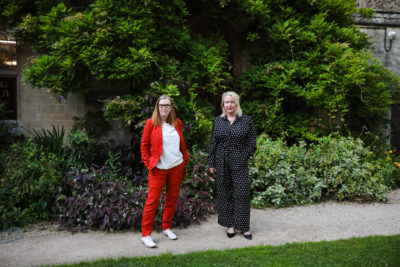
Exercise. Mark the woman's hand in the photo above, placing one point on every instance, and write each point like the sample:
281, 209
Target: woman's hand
212, 170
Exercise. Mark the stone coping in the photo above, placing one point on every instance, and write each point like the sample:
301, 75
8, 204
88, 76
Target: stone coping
380, 18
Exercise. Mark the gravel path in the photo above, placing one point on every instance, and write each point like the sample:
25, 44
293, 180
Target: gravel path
328, 221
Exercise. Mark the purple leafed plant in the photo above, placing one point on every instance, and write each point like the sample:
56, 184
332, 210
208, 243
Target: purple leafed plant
97, 199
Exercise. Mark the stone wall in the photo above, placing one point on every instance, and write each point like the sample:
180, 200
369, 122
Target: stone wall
381, 5
391, 58
37, 109
387, 51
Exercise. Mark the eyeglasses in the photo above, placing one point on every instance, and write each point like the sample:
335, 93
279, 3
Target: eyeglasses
164, 106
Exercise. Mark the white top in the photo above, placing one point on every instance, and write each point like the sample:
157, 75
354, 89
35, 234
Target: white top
171, 155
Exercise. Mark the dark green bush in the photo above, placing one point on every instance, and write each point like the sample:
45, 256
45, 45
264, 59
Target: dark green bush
83, 151
93, 123
29, 183
7, 136
334, 167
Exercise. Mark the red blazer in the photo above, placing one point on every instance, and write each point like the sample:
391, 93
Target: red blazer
151, 146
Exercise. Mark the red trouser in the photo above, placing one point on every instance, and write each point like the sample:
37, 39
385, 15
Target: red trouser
157, 179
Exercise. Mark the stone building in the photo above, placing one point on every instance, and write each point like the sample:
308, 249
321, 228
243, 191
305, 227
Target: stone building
384, 30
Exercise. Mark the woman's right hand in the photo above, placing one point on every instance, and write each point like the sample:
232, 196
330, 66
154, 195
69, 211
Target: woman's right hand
212, 170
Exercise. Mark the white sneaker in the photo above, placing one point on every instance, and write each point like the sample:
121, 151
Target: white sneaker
170, 234
148, 242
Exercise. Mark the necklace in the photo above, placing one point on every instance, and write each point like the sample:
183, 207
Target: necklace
231, 119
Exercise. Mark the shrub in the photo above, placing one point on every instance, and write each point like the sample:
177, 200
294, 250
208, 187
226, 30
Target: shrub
388, 164
335, 167
93, 123
83, 151
7, 136
197, 197
29, 183
53, 139
100, 197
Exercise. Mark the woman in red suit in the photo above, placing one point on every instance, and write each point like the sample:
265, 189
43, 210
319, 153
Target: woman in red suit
165, 155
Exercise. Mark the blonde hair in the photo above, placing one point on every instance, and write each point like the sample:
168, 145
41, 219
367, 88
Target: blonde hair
156, 117
236, 99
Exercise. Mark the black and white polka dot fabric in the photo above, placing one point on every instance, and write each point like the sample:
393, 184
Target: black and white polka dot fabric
231, 145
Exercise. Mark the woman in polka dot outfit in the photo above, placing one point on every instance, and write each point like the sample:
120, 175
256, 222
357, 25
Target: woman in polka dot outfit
232, 143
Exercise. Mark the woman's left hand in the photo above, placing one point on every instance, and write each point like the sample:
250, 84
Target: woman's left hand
212, 170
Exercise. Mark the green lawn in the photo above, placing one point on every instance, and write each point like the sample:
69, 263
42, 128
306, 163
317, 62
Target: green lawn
368, 251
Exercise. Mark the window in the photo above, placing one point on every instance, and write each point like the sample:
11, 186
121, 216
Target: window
8, 97
8, 69
8, 52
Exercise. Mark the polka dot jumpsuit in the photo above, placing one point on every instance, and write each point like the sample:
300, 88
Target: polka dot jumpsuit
231, 145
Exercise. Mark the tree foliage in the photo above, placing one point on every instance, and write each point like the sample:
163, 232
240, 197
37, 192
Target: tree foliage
311, 72
316, 69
